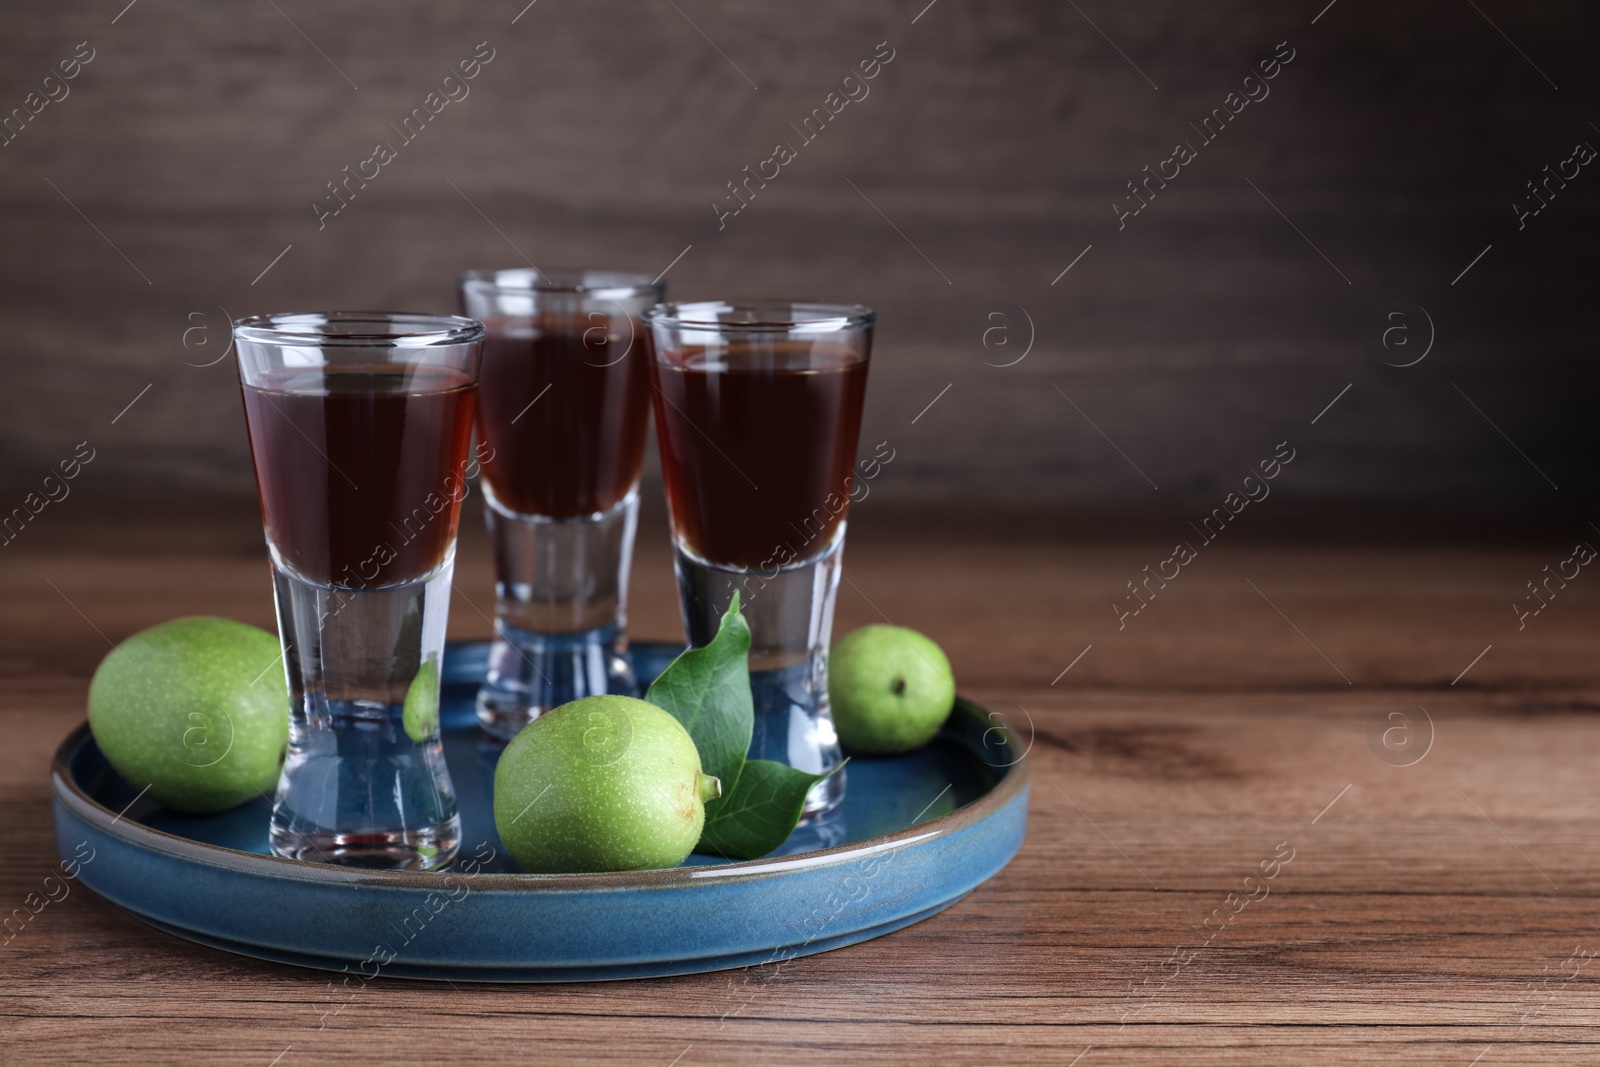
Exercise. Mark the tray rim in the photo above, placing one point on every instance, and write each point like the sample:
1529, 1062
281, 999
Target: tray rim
1011, 783
513, 974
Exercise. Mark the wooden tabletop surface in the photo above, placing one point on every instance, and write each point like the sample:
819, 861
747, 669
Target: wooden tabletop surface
1442, 912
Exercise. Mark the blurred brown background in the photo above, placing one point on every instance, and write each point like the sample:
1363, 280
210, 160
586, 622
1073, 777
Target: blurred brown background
188, 152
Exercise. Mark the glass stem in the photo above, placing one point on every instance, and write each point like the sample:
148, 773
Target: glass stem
560, 611
790, 612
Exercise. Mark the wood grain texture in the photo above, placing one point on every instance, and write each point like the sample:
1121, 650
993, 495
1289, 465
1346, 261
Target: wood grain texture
1429, 912
995, 142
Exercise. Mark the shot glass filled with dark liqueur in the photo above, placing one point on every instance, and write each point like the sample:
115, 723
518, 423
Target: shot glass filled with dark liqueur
563, 415
758, 413
359, 426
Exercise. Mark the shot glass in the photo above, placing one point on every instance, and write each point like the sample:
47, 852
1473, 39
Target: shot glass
359, 424
563, 412
758, 412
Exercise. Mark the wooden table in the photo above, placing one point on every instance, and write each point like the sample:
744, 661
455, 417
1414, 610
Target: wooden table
1443, 912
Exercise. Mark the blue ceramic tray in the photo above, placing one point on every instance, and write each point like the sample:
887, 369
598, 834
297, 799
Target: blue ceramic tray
914, 835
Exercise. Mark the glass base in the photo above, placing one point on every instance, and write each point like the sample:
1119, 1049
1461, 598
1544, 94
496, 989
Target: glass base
823, 798
791, 728
531, 673
401, 850
356, 787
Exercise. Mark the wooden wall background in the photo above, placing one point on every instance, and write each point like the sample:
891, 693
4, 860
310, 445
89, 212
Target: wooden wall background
189, 150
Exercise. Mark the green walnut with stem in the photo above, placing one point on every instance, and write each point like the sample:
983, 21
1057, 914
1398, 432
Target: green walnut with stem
606, 783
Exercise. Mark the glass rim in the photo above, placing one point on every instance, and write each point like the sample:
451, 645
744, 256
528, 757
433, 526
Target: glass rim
404, 329
812, 317
576, 280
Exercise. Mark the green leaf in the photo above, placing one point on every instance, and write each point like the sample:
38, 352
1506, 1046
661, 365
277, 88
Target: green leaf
759, 813
708, 691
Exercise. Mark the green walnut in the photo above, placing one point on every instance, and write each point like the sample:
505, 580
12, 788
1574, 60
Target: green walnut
606, 783
196, 709
891, 690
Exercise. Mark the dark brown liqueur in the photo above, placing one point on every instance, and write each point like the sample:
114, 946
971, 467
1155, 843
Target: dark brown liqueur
757, 447
361, 470
563, 408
